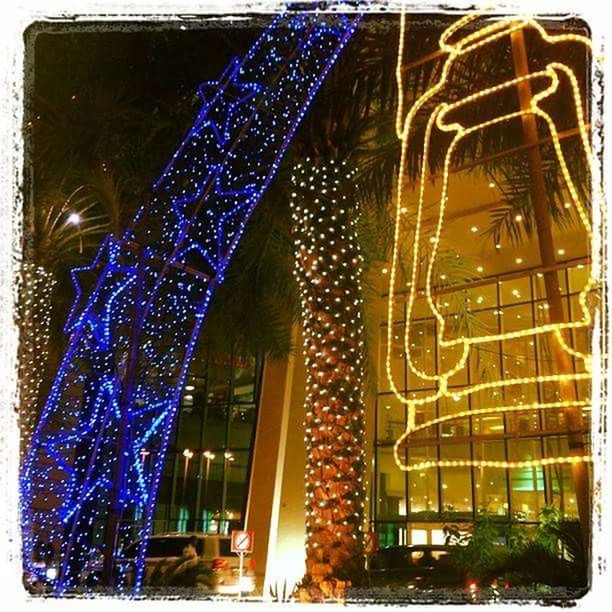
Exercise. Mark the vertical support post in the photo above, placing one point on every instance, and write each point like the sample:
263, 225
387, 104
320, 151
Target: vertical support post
563, 361
240, 570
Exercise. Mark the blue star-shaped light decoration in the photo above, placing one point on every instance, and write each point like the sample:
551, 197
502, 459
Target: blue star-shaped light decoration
75, 315
224, 97
221, 99
80, 314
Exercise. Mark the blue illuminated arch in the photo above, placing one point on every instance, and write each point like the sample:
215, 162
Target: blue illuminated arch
132, 334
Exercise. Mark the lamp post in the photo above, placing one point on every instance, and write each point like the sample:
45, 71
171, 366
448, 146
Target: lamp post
188, 454
228, 458
209, 457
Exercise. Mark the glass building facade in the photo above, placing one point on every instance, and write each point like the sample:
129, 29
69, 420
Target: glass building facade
204, 485
412, 507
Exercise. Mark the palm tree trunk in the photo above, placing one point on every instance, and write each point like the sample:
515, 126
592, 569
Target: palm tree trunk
563, 361
328, 269
34, 311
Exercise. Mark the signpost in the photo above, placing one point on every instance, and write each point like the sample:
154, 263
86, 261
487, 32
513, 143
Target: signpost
242, 544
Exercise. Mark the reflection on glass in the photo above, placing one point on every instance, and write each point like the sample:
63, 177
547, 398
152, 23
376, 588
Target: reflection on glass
391, 418
219, 377
241, 422
490, 483
244, 380
397, 359
456, 482
515, 291
526, 484
423, 485
391, 485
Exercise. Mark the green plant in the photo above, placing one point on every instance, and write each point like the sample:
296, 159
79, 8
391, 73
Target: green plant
516, 536
284, 595
547, 534
554, 557
476, 555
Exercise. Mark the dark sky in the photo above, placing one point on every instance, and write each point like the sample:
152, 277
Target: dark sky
153, 59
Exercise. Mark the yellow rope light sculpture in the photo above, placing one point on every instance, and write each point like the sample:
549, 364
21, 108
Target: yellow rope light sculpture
438, 118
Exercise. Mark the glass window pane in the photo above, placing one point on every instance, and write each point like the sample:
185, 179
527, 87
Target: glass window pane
578, 277
236, 465
212, 491
516, 318
514, 291
219, 374
165, 491
391, 534
490, 483
540, 288
562, 489
241, 422
189, 427
424, 413
187, 479
448, 358
453, 427
391, 486
397, 359
423, 484
456, 482
484, 362
420, 307
399, 306
391, 421
422, 353
244, 379
214, 427
526, 484
484, 296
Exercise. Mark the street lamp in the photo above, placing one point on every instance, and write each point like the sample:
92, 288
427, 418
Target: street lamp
74, 218
144, 453
209, 457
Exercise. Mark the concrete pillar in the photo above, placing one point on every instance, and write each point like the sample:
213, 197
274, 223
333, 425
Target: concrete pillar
275, 509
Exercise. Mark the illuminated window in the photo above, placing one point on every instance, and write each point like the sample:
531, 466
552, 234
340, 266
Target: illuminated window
418, 536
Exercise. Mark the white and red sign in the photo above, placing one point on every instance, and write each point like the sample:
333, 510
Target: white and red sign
370, 543
242, 541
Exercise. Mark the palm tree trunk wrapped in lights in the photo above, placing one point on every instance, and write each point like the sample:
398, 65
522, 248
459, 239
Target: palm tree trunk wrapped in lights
34, 314
328, 270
